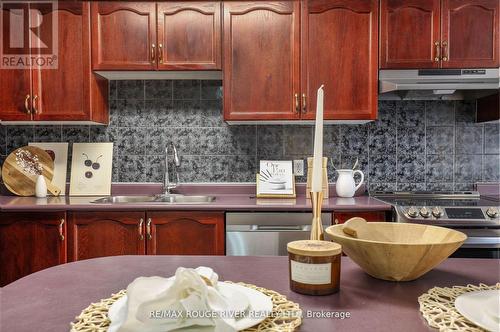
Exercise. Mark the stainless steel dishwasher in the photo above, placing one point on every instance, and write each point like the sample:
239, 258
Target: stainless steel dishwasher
264, 233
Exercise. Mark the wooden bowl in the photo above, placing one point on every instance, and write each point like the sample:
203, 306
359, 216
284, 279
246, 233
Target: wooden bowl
398, 251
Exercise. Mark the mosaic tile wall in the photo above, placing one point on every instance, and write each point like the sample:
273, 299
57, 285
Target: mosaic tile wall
414, 144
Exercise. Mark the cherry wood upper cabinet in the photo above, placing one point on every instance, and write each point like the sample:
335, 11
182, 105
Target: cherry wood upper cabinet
340, 50
409, 33
30, 242
99, 234
15, 94
185, 233
123, 35
35, 93
470, 33
71, 76
261, 60
15, 84
189, 35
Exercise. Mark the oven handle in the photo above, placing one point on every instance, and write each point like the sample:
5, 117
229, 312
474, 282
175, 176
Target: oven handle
482, 242
278, 228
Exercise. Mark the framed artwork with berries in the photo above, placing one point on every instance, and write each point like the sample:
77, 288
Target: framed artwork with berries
91, 167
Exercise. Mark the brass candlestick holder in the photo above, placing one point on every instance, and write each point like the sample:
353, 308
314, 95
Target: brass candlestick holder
317, 224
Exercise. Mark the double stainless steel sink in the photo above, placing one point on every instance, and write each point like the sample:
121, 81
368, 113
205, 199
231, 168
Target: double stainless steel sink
156, 199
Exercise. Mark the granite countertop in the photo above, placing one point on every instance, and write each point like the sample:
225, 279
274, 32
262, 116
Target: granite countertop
228, 198
50, 299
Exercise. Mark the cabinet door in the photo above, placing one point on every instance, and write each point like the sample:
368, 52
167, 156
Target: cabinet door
30, 242
339, 50
70, 77
189, 35
342, 217
470, 33
123, 35
409, 34
185, 233
99, 234
15, 83
261, 60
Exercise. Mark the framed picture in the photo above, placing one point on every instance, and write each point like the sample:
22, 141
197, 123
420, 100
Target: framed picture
91, 168
276, 179
59, 153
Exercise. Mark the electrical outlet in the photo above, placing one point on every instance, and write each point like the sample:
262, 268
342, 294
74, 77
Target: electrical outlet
298, 167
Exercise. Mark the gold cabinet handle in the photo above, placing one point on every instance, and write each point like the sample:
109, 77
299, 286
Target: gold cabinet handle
445, 51
148, 229
297, 106
33, 104
26, 104
438, 52
139, 228
153, 53
304, 103
61, 233
160, 53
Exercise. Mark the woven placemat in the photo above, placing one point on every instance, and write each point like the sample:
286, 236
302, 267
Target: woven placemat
438, 307
286, 315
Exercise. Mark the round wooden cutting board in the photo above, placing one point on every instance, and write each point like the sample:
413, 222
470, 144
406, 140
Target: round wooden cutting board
21, 181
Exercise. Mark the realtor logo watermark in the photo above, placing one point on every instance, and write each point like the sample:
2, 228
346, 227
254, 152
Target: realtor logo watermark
29, 34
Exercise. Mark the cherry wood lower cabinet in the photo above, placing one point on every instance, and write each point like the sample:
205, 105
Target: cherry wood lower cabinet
342, 217
99, 234
30, 242
185, 233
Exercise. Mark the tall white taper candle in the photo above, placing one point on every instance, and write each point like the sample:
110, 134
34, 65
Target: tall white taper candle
317, 174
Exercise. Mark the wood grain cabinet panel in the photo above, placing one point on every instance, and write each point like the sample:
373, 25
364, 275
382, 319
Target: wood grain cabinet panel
409, 33
123, 35
71, 76
342, 217
185, 233
261, 60
339, 50
470, 33
67, 92
15, 94
30, 242
99, 234
15, 84
189, 35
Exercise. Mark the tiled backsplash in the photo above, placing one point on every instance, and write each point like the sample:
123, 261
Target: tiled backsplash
414, 144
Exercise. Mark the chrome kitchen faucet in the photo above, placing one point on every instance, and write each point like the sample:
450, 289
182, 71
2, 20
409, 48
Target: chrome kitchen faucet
167, 185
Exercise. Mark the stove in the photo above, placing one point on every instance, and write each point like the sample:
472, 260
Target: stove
467, 211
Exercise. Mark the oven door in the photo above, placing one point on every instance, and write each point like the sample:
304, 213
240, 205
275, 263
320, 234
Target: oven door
480, 243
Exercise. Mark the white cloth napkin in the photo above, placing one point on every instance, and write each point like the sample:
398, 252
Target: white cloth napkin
156, 304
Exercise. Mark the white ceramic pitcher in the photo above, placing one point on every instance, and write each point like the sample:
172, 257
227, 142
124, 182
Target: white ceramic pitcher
346, 187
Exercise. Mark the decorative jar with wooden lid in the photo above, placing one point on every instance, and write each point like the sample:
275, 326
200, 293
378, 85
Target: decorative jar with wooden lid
314, 267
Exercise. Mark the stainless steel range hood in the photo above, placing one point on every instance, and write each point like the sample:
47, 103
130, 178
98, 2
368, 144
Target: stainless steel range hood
439, 81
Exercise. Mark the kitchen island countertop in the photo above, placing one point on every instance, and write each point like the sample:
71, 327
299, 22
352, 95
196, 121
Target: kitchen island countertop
50, 299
